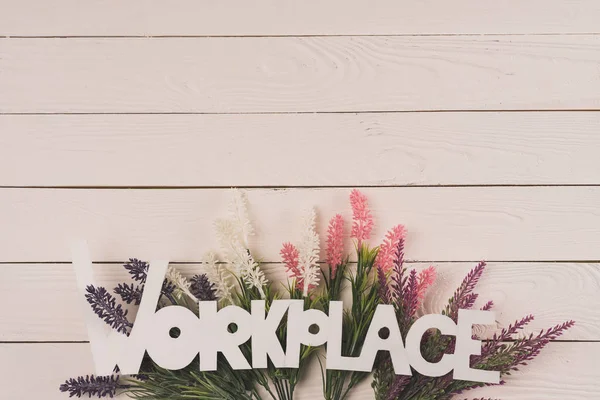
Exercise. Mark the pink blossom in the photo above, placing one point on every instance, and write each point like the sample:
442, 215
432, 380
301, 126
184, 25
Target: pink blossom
425, 280
335, 242
362, 224
388, 251
289, 255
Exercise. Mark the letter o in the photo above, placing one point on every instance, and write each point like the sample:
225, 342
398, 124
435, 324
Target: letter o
166, 351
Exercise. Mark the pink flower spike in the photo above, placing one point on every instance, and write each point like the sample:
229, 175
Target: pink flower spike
362, 224
335, 242
388, 251
289, 255
425, 280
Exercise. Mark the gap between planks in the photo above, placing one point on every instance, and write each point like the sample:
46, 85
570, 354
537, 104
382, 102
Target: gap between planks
281, 187
293, 36
417, 111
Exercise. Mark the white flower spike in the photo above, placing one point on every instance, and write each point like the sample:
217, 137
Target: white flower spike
180, 282
219, 276
238, 210
232, 235
308, 249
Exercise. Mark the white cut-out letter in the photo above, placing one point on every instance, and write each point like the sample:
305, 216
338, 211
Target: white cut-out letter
413, 344
217, 338
173, 349
466, 346
264, 333
106, 344
298, 330
335, 360
384, 317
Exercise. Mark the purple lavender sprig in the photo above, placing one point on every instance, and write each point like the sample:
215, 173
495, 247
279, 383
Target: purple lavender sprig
488, 306
397, 386
202, 288
90, 385
139, 272
504, 352
464, 296
167, 290
504, 335
105, 306
137, 269
405, 291
398, 278
130, 293
505, 358
384, 290
411, 298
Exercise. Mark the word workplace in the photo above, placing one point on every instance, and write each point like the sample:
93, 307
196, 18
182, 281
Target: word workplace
208, 334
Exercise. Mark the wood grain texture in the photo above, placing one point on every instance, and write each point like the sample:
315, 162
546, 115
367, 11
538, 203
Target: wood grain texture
384, 149
286, 74
445, 224
287, 17
312, 94
549, 377
552, 292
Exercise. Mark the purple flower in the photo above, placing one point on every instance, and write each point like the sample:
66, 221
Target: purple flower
400, 382
137, 269
398, 279
405, 291
464, 296
130, 293
90, 385
384, 290
139, 272
488, 306
505, 352
202, 288
105, 306
410, 295
504, 335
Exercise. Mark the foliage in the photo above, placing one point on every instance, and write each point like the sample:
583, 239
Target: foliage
377, 277
505, 352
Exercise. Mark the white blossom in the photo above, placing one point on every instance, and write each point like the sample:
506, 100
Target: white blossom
180, 282
219, 276
256, 278
238, 210
308, 252
233, 250
232, 235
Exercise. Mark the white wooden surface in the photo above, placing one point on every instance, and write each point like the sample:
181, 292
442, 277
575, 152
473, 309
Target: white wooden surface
125, 122
445, 224
467, 148
547, 291
306, 74
289, 17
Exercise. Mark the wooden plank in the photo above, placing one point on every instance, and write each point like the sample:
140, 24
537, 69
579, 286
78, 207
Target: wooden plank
232, 75
561, 371
552, 292
385, 149
287, 17
445, 224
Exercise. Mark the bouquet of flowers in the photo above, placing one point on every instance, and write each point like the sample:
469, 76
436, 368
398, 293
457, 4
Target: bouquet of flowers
379, 276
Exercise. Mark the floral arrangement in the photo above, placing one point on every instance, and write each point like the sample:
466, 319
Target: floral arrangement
378, 276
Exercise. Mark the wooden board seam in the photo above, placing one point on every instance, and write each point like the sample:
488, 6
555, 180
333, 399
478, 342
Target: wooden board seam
294, 36
409, 111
